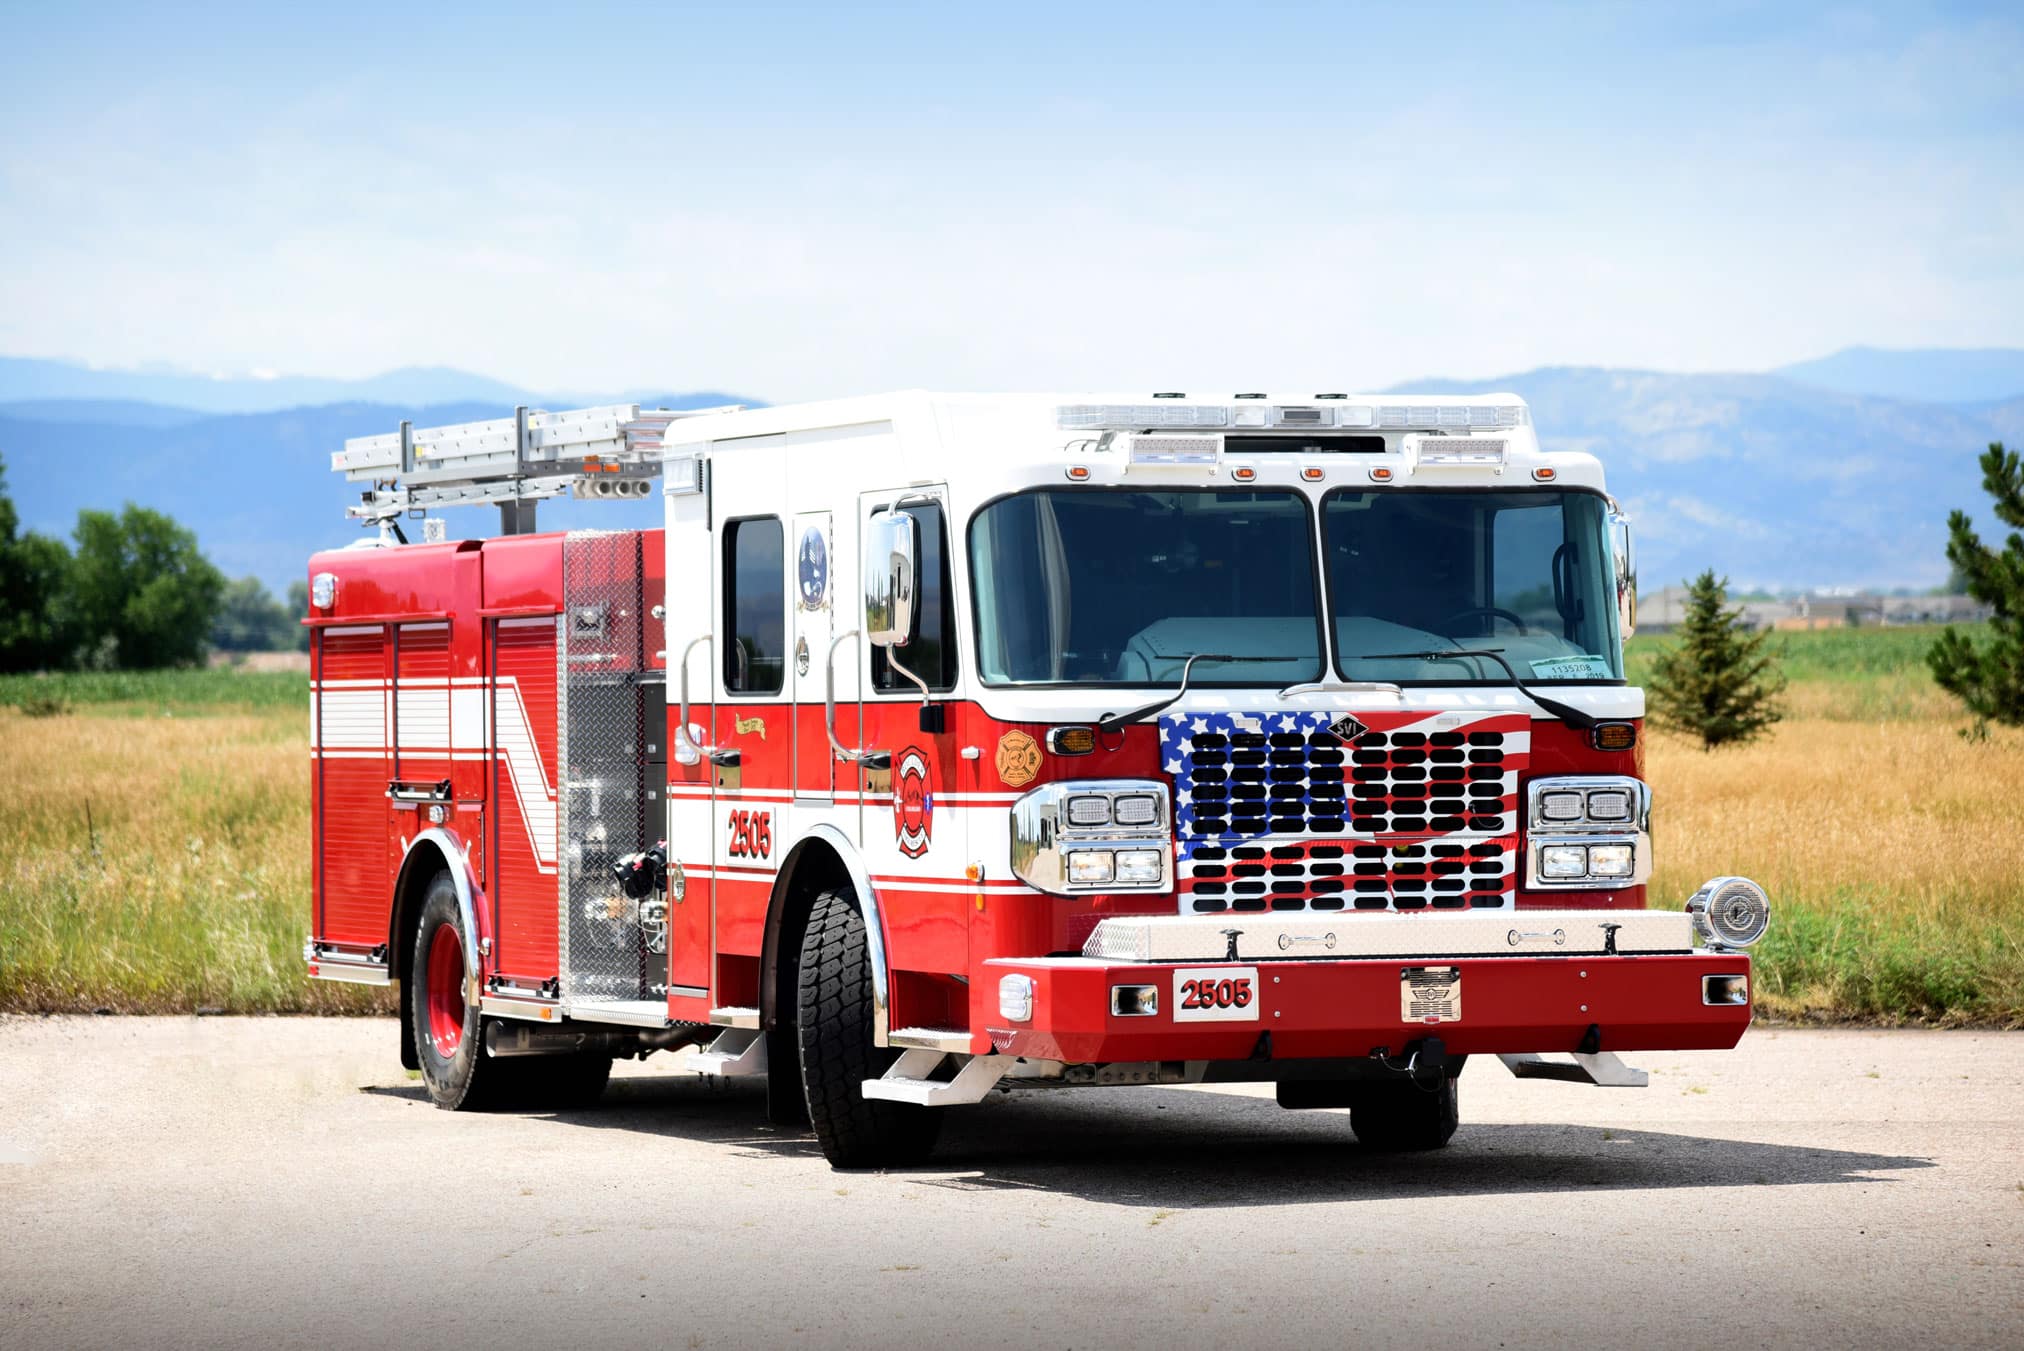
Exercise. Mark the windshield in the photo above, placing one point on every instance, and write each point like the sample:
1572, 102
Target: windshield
1526, 573
1094, 586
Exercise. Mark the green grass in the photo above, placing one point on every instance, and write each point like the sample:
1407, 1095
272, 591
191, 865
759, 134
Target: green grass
129, 693
154, 842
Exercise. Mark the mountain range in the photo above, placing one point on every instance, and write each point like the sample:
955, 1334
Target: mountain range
1835, 472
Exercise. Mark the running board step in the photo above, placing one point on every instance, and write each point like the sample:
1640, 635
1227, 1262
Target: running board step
734, 1017
930, 1038
1603, 1070
909, 1079
732, 1054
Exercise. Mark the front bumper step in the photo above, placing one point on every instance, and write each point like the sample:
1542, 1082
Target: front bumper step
1424, 933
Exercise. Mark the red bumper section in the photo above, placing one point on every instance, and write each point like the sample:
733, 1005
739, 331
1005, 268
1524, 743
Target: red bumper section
1347, 1008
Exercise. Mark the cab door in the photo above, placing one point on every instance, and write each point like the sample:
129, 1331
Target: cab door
914, 832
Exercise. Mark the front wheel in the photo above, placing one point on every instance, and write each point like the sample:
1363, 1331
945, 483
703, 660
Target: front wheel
834, 1022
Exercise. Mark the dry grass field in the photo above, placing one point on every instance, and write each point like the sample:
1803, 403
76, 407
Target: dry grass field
154, 843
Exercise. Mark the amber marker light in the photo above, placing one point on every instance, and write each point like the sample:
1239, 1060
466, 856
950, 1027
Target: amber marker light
1243, 473
1544, 474
1072, 740
1078, 472
1380, 475
1613, 736
1313, 475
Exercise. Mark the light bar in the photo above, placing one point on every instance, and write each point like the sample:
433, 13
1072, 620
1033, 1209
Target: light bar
1459, 451
1096, 417
1176, 450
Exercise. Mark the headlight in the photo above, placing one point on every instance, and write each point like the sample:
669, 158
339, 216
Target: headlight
1093, 835
1560, 806
1610, 805
1563, 860
1611, 860
1730, 912
1091, 865
1140, 865
1089, 811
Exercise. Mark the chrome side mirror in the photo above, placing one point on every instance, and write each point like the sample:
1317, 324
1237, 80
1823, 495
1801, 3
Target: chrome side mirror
1626, 573
891, 578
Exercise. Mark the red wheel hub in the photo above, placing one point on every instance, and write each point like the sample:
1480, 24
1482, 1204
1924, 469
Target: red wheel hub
445, 996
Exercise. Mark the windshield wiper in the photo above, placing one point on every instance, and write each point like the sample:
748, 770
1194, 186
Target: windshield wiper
1110, 722
1573, 717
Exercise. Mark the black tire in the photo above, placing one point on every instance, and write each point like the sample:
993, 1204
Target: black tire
468, 1079
834, 1026
464, 1079
1404, 1116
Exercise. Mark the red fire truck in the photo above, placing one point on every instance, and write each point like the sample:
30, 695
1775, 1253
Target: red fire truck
943, 745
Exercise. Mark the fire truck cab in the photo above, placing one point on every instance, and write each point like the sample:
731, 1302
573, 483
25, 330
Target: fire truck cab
943, 745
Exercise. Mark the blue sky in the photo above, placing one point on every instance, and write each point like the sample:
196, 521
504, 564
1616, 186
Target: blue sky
805, 201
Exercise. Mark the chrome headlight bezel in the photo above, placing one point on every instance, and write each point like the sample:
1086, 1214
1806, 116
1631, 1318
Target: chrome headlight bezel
1625, 805
1044, 840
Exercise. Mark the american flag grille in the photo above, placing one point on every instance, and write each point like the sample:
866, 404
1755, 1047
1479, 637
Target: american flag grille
1274, 812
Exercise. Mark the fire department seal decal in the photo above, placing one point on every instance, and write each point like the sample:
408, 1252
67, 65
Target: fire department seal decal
1346, 728
812, 570
1018, 759
913, 803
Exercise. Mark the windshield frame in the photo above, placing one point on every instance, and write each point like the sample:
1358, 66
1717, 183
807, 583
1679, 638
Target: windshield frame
1317, 581
1612, 618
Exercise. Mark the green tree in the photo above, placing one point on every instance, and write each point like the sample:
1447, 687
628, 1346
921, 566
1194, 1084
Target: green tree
142, 593
1989, 678
251, 620
34, 572
298, 609
1720, 681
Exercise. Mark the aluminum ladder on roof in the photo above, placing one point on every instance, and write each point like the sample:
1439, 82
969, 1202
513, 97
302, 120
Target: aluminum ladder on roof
606, 452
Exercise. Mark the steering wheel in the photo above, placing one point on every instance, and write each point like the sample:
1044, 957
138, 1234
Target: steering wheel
1495, 612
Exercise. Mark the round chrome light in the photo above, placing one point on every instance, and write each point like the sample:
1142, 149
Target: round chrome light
1730, 912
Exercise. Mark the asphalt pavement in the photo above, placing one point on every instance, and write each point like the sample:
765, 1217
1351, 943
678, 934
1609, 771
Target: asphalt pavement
282, 1182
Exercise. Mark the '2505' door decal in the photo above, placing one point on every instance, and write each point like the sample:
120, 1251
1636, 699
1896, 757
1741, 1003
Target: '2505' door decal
751, 834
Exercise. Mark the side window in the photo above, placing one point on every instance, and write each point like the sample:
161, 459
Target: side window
755, 605
932, 653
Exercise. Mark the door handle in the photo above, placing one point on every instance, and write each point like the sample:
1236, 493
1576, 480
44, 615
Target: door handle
683, 741
868, 759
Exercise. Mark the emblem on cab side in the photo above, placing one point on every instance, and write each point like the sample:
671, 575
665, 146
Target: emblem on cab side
812, 569
1018, 759
1346, 728
913, 803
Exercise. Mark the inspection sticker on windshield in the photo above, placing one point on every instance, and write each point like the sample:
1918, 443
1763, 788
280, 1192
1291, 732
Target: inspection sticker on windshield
1430, 994
1571, 668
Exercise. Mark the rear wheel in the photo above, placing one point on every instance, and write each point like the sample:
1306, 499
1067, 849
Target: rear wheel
1401, 1115
445, 1026
834, 1025
448, 1034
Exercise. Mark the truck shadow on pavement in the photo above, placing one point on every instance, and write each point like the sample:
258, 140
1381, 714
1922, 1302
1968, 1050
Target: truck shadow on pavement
1164, 1147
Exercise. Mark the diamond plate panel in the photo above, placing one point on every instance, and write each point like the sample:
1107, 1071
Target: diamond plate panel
605, 955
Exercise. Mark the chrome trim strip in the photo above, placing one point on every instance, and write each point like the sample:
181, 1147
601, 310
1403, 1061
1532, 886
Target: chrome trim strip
543, 1011
874, 924
350, 973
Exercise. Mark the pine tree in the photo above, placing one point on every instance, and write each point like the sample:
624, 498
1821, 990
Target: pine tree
1720, 682
1989, 678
